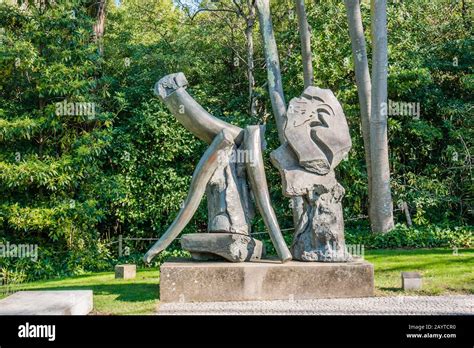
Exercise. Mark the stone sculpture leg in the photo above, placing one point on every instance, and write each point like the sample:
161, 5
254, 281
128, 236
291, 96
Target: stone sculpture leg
225, 204
258, 181
202, 174
319, 235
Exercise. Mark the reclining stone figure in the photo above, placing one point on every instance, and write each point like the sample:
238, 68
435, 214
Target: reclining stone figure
224, 182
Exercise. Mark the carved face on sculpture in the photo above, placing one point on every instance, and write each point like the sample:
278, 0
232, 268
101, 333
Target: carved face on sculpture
317, 131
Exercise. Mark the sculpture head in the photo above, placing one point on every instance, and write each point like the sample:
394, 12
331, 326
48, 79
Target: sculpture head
316, 129
170, 83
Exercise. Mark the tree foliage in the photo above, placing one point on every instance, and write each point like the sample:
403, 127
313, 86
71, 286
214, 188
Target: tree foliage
73, 183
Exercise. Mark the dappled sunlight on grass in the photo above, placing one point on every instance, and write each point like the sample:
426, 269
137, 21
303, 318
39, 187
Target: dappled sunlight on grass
443, 271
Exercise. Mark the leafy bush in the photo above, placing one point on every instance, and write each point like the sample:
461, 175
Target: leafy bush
414, 237
137, 257
54, 262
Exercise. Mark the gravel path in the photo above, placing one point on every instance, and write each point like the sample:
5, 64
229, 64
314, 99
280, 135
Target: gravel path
396, 305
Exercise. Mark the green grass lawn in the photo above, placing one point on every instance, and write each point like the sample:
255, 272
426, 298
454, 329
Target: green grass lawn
443, 274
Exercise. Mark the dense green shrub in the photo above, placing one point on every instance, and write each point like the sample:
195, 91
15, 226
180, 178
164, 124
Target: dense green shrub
415, 237
55, 187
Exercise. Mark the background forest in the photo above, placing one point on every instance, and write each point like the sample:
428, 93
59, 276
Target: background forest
73, 183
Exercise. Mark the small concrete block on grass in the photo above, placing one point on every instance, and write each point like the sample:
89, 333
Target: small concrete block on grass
49, 302
411, 281
125, 271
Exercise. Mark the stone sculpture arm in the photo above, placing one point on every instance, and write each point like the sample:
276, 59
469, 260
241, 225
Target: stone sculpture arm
202, 174
171, 90
258, 183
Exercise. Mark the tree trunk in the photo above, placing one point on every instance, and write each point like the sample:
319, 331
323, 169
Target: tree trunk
275, 86
359, 54
466, 18
299, 205
99, 25
250, 52
381, 206
305, 38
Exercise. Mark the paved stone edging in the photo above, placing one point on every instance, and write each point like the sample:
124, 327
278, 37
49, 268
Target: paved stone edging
395, 305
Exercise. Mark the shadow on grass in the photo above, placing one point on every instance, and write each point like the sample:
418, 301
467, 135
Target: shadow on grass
125, 292
392, 289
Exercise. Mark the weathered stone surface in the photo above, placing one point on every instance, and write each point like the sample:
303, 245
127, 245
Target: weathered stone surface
57, 302
317, 131
320, 234
223, 177
230, 246
296, 181
317, 140
125, 271
411, 281
226, 205
191, 281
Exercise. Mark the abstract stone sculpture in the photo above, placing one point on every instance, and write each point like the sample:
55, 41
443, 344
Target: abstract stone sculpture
317, 140
223, 180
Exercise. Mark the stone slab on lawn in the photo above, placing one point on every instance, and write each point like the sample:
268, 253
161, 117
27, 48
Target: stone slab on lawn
193, 281
48, 302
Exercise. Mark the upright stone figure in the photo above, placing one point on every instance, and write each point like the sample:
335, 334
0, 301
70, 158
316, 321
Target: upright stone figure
317, 140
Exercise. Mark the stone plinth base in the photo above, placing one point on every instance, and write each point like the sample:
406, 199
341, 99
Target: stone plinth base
193, 281
49, 302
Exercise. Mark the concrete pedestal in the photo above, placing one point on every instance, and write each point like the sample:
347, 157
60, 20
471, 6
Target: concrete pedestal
48, 302
193, 281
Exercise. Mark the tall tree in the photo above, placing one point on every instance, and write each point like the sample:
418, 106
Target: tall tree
245, 12
362, 74
381, 206
305, 38
55, 136
99, 25
250, 21
275, 85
